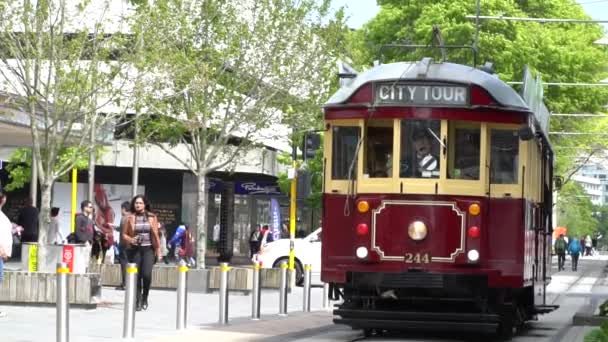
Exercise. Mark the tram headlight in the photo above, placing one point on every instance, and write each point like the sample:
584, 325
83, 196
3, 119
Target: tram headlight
362, 252
473, 255
417, 230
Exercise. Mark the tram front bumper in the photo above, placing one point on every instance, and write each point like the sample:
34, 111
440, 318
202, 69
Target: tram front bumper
403, 320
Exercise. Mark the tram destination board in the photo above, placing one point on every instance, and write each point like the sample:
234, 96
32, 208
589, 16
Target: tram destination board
416, 94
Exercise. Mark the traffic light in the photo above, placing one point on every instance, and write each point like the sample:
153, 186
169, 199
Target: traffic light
312, 142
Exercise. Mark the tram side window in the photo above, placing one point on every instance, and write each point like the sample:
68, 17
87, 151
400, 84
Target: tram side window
379, 153
344, 147
504, 156
420, 146
464, 152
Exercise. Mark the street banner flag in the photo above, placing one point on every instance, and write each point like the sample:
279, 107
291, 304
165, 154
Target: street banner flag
275, 219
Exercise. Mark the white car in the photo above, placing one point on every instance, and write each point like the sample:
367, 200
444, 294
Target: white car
307, 251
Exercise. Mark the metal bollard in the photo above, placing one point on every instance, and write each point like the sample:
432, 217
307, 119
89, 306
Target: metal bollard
283, 290
182, 296
325, 296
63, 305
256, 292
307, 275
224, 269
128, 323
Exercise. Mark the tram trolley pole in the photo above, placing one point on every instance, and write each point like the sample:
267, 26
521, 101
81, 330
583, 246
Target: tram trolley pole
182, 296
63, 304
224, 269
283, 290
306, 296
256, 292
128, 327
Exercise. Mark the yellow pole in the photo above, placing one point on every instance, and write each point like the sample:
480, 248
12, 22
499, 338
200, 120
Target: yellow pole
74, 207
292, 218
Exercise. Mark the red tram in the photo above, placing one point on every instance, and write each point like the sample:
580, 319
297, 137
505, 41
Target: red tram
437, 199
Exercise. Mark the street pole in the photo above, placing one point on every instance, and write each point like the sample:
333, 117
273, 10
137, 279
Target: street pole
91, 185
135, 177
292, 212
62, 304
74, 199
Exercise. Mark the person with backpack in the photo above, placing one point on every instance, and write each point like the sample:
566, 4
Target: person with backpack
560, 250
254, 241
575, 250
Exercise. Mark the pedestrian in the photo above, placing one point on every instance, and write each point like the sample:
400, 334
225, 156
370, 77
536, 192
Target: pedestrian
254, 241
6, 240
186, 249
141, 236
122, 246
176, 240
285, 231
575, 250
54, 236
28, 219
85, 226
588, 246
265, 237
164, 251
560, 250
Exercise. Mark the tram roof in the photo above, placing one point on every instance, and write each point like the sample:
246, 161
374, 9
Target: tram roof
443, 72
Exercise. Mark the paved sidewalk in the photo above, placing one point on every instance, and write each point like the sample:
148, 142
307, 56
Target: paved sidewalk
37, 324
269, 329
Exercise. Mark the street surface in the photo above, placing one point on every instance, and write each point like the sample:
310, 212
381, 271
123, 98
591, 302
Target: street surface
572, 291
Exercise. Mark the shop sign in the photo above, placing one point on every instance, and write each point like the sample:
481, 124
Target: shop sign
257, 188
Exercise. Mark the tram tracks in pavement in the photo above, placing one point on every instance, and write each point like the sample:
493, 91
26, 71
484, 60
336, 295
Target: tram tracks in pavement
582, 276
589, 308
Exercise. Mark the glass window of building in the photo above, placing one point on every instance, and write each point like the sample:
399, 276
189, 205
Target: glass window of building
344, 148
379, 149
504, 156
463, 150
420, 148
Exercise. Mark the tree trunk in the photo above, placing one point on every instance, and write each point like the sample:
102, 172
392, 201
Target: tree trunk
201, 221
44, 220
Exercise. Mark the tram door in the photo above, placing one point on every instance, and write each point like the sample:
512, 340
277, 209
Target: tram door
543, 232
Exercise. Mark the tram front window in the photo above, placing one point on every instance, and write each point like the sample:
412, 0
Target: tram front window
463, 147
344, 147
504, 156
379, 153
420, 145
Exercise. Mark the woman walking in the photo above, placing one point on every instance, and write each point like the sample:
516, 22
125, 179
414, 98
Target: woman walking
143, 245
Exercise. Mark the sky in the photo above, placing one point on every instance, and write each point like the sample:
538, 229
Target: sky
360, 11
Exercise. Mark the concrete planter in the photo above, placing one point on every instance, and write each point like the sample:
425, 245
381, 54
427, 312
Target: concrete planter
40, 288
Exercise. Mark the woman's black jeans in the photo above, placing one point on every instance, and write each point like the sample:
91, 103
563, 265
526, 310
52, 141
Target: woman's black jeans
143, 256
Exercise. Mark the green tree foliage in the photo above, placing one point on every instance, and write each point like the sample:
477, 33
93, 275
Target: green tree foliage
575, 211
20, 165
58, 67
220, 74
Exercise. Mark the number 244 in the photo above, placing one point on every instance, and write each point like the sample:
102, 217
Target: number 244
417, 258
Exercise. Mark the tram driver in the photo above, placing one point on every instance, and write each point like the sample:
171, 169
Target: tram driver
424, 163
